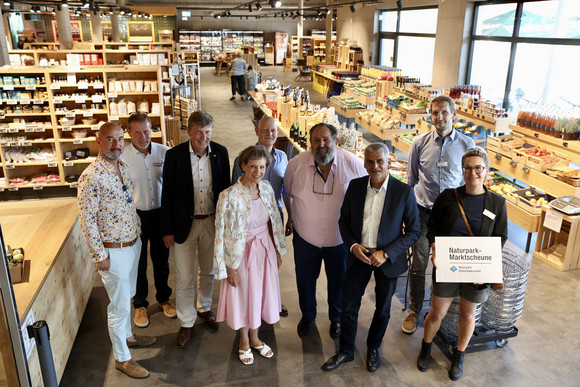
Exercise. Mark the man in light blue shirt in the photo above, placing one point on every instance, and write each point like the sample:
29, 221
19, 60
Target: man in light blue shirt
267, 132
434, 164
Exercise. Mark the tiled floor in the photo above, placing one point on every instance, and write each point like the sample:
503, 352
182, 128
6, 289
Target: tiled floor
545, 352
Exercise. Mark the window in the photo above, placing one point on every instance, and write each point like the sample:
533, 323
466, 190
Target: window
407, 40
523, 52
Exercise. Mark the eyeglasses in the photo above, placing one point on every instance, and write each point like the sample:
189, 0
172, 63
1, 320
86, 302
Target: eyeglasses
478, 169
319, 184
128, 196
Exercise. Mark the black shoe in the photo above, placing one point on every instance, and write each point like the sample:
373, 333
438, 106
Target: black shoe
373, 359
283, 311
335, 361
424, 356
233, 99
334, 330
456, 370
304, 327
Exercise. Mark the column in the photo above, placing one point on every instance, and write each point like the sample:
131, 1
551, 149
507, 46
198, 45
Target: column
4, 58
96, 27
64, 31
328, 49
300, 24
115, 20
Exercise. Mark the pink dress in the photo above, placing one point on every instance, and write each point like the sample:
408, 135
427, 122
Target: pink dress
257, 296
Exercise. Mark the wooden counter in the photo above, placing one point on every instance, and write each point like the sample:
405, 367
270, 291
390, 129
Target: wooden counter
58, 283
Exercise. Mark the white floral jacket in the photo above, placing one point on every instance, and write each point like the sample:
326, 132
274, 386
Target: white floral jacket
231, 225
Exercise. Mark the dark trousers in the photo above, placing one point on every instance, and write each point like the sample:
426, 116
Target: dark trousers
239, 81
151, 232
421, 250
355, 283
307, 260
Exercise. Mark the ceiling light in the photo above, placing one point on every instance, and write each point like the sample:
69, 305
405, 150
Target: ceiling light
64, 3
250, 8
219, 16
85, 3
7, 3
328, 11
122, 12
277, 4
139, 14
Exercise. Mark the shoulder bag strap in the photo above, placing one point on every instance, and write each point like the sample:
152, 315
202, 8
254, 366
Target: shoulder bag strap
462, 212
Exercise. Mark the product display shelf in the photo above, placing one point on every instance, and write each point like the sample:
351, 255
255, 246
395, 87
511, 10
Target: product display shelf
568, 148
346, 113
384, 134
401, 145
364, 100
559, 249
294, 49
68, 125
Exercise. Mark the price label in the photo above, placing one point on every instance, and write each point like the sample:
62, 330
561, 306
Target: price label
70, 115
80, 99
37, 187
77, 141
9, 166
68, 163
73, 185
95, 127
40, 129
97, 99
52, 165
98, 86
114, 118
8, 87
87, 114
12, 130
14, 143
26, 143
11, 102
66, 128
30, 87
13, 189
24, 101
57, 100
28, 130
38, 102
54, 87
112, 95
83, 86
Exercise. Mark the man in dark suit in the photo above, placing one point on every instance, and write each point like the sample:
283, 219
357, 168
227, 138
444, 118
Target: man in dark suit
194, 174
378, 222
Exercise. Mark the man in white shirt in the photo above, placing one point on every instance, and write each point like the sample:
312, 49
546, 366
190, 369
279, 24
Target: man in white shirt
378, 222
145, 160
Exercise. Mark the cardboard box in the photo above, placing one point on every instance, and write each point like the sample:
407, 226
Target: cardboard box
17, 273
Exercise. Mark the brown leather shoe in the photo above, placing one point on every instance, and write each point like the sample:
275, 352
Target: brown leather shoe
209, 319
132, 368
141, 341
183, 337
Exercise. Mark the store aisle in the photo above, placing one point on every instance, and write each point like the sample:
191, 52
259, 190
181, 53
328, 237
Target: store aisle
542, 354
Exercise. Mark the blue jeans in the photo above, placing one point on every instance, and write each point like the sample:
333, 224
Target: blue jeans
355, 283
308, 260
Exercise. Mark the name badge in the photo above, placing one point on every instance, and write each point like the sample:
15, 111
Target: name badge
442, 164
489, 214
157, 164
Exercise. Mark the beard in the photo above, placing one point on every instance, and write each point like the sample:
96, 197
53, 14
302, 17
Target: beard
323, 158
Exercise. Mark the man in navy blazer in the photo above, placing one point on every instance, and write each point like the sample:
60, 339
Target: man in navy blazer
378, 222
194, 174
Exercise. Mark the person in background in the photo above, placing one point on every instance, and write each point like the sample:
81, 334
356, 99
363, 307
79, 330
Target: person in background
267, 132
111, 228
485, 214
378, 222
316, 182
238, 69
194, 174
251, 80
145, 161
434, 164
249, 243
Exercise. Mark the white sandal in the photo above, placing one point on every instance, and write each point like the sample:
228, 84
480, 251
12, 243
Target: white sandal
264, 349
244, 355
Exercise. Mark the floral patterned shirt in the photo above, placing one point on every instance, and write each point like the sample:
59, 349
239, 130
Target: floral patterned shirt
106, 207
231, 225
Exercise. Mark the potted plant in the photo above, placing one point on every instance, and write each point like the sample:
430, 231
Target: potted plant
557, 132
569, 130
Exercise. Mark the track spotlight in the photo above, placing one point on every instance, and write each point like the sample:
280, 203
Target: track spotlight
219, 16
352, 8
85, 3
258, 6
122, 11
328, 11
250, 8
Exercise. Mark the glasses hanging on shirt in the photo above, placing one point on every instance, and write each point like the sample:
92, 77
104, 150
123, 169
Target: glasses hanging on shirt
319, 185
128, 196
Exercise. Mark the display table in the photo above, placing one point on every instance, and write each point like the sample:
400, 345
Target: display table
559, 249
59, 278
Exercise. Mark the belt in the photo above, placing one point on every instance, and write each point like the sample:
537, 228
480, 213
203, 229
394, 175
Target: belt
424, 209
201, 216
119, 245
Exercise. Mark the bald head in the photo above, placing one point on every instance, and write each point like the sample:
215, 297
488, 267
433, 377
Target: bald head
267, 132
111, 141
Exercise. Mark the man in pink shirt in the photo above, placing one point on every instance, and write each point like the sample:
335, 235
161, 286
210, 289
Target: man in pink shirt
316, 182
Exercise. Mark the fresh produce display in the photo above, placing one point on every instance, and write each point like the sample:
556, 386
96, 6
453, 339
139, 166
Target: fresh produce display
346, 102
14, 257
366, 89
381, 118
406, 137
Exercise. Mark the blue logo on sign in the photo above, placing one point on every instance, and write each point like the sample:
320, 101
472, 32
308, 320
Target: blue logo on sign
453, 269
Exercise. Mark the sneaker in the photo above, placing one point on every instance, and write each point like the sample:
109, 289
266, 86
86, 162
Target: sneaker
233, 99
168, 309
132, 368
141, 318
410, 323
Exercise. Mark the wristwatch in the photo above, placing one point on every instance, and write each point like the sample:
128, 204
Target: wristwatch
386, 255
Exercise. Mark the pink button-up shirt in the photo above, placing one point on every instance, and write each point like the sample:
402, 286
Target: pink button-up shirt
316, 204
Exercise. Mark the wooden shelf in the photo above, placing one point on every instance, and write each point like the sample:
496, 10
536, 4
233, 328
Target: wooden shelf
569, 148
559, 249
385, 134
347, 113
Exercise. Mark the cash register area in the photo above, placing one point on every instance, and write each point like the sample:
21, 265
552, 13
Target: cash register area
544, 352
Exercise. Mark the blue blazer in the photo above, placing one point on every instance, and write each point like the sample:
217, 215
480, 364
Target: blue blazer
399, 227
177, 196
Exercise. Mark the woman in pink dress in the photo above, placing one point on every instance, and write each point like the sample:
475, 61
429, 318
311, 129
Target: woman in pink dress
249, 243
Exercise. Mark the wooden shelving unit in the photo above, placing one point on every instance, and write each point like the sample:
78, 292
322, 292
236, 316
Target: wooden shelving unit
559, 249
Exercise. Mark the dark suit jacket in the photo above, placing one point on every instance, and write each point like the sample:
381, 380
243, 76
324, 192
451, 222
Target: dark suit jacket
400, 209
177, 195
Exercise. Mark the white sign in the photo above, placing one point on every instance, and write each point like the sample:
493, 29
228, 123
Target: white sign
553, 220
469, 259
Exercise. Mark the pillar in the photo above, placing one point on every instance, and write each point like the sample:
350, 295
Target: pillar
96, 27
64, 31
4, 58
115, 20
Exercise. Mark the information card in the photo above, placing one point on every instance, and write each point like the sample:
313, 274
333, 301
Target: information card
469, 259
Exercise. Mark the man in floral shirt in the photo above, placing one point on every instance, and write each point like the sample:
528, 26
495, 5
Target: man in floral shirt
111, 228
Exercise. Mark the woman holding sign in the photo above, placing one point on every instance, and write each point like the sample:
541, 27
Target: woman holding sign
470, 210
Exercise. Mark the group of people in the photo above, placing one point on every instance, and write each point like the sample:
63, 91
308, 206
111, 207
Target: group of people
342, 210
